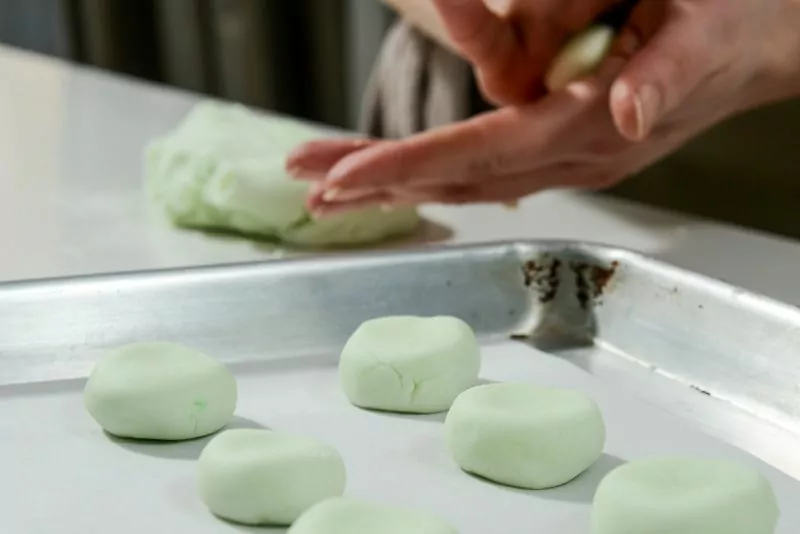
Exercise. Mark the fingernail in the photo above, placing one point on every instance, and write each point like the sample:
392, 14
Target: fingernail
336, 194
647, 102
331, 194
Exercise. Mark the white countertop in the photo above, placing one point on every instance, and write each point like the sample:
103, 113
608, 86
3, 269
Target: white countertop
71, 199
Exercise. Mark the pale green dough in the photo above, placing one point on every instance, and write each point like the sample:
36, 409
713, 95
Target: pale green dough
525, 436
160, 391
350, 516
260, 477
409, 364
581, 56
223, 168
684, 496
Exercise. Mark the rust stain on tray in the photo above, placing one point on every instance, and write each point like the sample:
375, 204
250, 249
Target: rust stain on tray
543, 275
592, 280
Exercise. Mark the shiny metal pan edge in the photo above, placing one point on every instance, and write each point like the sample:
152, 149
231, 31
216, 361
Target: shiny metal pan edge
720, 340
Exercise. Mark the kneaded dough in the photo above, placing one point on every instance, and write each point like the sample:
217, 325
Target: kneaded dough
581, 56
260, 477
684, 496
350, 516
160, 391
223, 168
409, 364
525, 436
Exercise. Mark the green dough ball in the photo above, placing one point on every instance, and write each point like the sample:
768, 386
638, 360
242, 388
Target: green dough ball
524, 436
409, 364
581, 56
223, 168
260, 477
349, 516
684, 496
160, 391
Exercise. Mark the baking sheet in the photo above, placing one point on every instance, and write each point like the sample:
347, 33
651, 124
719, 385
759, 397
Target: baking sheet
280, 326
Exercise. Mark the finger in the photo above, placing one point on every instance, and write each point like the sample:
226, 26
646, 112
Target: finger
565, 35
321, 208
675, 59
565, 16
460, 152
313, 160
493, 46
480, 34
508, 141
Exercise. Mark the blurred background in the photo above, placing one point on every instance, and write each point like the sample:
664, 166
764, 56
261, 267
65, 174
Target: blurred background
312, 59
308, 58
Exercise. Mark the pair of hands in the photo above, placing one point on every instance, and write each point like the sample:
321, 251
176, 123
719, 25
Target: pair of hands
676, 68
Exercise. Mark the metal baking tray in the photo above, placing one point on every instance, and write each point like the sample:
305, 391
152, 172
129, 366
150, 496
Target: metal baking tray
679, 363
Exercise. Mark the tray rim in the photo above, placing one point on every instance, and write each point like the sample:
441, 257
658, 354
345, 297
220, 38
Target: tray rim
320, 259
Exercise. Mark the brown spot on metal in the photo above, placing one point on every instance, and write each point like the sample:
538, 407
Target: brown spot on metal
700, 390
591, 280
543, 276
602, 277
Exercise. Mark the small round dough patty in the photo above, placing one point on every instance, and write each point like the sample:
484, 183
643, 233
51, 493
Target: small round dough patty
160, 391
350, 516
525, 436
409, 364
684, 496
260, 477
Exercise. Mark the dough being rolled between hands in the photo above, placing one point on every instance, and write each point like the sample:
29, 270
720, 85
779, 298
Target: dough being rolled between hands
581, 56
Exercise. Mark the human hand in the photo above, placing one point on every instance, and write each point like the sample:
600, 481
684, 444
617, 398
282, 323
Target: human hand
565, 140
512, 44
682, 66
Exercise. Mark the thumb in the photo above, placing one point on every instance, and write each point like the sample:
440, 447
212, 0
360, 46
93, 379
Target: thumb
678, 56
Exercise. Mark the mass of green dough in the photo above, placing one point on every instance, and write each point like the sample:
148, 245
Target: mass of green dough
160, 391
409, 364
524, 436
350, 516
259, 477
223, 168
684, 496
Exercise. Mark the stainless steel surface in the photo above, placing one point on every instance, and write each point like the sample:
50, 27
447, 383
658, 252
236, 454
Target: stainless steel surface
719, 339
